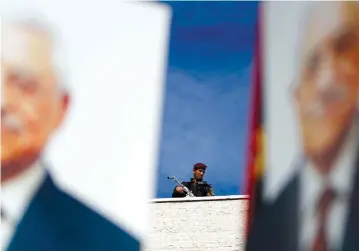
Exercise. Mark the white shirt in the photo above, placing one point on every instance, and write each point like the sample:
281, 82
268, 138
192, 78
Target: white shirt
16, 195
313, 184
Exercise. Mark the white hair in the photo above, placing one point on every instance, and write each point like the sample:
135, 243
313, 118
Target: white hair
312, 9
37, 21
315, 12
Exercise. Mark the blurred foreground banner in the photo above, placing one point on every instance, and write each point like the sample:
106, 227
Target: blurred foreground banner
81, 99
310, 77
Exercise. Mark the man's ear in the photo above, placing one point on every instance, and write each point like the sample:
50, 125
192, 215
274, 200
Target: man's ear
64, 106
294, 91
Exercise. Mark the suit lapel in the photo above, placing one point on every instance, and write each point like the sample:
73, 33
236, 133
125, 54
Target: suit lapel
285, 224
35, 231
351, 239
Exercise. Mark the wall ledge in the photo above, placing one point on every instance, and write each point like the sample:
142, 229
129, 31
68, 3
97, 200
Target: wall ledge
196, 199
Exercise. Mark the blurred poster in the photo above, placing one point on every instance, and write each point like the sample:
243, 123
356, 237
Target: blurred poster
309, 198
80, 109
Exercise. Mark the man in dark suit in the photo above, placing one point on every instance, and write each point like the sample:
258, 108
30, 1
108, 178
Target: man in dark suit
36, 214
318, 208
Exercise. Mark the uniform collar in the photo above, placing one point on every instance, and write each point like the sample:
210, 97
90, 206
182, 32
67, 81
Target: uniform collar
193, 180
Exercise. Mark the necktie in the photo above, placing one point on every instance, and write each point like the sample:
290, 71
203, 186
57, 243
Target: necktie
323, 206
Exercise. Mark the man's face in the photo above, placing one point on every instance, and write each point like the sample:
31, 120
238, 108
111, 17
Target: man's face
198, 174
329, 86
32, 104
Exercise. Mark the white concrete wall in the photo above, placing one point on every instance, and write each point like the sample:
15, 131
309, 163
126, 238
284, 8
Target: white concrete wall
198, 224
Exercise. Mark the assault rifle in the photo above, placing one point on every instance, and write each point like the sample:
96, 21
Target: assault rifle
187, 191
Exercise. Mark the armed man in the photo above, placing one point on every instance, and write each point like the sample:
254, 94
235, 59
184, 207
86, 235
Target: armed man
196, 185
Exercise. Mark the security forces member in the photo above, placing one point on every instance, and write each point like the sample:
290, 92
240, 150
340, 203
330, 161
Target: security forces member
198, 187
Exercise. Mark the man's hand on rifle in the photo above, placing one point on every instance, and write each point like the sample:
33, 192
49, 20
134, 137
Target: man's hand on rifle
179, 189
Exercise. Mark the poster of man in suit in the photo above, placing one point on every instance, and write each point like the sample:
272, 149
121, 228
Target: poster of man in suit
57, 192
311, 184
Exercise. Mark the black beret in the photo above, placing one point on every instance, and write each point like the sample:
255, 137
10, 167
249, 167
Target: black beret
200, 166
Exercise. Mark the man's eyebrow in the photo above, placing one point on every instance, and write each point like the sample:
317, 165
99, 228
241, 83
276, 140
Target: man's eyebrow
346, 32
22, 72
345, 38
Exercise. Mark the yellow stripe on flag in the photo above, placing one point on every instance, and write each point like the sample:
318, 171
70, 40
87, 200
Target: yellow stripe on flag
259, 158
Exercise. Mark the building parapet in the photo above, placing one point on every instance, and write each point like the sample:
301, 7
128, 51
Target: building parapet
198, 223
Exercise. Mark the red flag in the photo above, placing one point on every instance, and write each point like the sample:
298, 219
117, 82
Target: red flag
255, 157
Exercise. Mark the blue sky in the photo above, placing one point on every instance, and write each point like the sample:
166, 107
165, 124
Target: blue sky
205, 116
